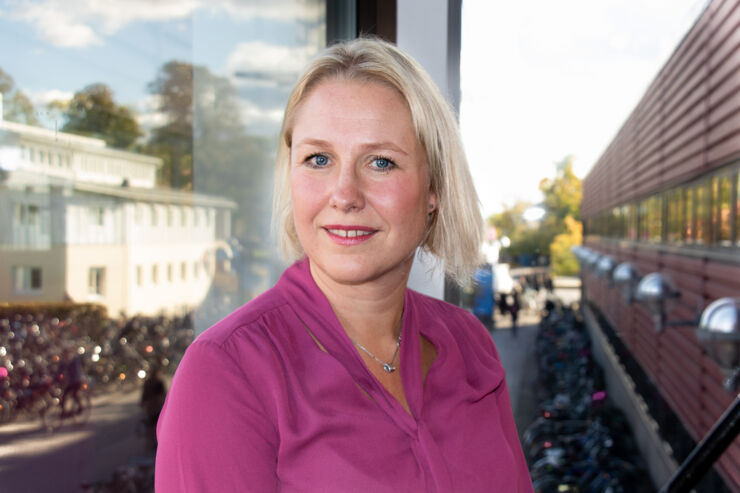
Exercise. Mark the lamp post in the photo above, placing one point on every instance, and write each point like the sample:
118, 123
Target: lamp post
718, 330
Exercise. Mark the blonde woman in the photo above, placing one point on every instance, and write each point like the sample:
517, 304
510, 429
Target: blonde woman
340, 378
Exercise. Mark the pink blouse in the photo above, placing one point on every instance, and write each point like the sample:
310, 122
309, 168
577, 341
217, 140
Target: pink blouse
257, 405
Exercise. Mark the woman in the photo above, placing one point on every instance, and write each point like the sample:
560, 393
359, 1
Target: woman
340, 378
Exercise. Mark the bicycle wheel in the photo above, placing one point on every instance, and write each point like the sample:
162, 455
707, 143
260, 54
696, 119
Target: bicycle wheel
80, 412
51, 414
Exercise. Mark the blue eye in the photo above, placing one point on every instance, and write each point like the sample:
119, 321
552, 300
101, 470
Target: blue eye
383, 163
318, 160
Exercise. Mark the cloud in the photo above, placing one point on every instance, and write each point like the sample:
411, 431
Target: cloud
261, 119
259, 60
44, 97
81, 23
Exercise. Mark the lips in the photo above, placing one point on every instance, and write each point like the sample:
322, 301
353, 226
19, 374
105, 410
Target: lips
349, 235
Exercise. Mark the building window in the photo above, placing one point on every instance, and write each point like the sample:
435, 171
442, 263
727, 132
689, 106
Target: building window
674, 211
196, 270
169, 272
96, 280
26, 279
154, 215
183, 271
183, 217
722, 214
97, 216
170, 217
155, 274
139, 276
703, 214
689, 229
139, 214
736, 209
26, 214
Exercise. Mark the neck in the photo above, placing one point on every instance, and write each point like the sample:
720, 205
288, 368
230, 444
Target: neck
369, 312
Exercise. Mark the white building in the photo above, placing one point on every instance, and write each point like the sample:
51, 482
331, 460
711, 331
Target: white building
82, 222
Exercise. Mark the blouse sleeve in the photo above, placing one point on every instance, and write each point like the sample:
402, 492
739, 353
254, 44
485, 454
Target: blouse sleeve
214, 434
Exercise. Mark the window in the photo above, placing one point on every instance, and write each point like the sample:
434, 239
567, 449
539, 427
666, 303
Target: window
169, 272
654, 219
139, 214
689, 228
183, 217
674, 219
722, 214
703, 214
736, 210
154, 215
155, 274
183, 271
139, 276
26, 214
96, 280
170, 217
97, 216
26, 279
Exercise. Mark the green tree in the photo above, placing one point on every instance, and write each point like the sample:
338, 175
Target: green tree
562, 203
562, 194
173, 141
16, 105
93, 112
206, 148
561, 200
562, 260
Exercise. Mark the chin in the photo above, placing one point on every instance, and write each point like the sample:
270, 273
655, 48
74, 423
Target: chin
346, 271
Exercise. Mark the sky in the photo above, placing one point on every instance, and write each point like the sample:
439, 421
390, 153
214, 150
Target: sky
541, 80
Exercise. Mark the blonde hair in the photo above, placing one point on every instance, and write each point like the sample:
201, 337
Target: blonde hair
455, 231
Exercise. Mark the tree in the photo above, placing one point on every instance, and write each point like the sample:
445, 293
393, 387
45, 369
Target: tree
94, 113
173, 141
205, 145
562, 194
561, 202
562, 260
16, 105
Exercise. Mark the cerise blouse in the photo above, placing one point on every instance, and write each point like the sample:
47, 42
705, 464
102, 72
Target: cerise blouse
257, 405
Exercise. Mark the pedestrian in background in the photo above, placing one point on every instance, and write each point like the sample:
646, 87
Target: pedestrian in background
340, 378
514, 308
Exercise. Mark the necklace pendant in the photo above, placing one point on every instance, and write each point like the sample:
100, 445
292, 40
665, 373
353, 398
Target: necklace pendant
388, 368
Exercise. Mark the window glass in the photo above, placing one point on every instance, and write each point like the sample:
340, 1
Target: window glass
643, 221
689, 216
26, 278
722, 215
654, 218
736, 194
674, 219
96, 280
703, 214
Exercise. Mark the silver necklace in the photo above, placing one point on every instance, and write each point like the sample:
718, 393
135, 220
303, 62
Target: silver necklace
388, 367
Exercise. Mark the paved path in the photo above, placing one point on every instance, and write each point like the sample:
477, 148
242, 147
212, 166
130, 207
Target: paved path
517, 356
32, 460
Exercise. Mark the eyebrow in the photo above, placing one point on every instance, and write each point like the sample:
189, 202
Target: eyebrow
388, 145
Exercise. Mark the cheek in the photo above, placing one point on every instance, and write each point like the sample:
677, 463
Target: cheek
403, 201
306, 194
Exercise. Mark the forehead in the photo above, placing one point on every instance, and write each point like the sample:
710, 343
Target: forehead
350, 106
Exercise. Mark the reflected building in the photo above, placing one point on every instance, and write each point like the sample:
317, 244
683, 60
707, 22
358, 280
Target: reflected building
86, 223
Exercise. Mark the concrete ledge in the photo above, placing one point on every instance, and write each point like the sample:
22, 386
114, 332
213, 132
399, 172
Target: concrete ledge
657, 453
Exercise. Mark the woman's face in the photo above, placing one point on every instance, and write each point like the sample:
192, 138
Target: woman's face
359, 182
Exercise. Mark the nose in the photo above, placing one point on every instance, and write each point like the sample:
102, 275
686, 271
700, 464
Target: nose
346, 194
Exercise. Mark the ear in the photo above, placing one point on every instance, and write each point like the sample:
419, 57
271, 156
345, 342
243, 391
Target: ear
432, 205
